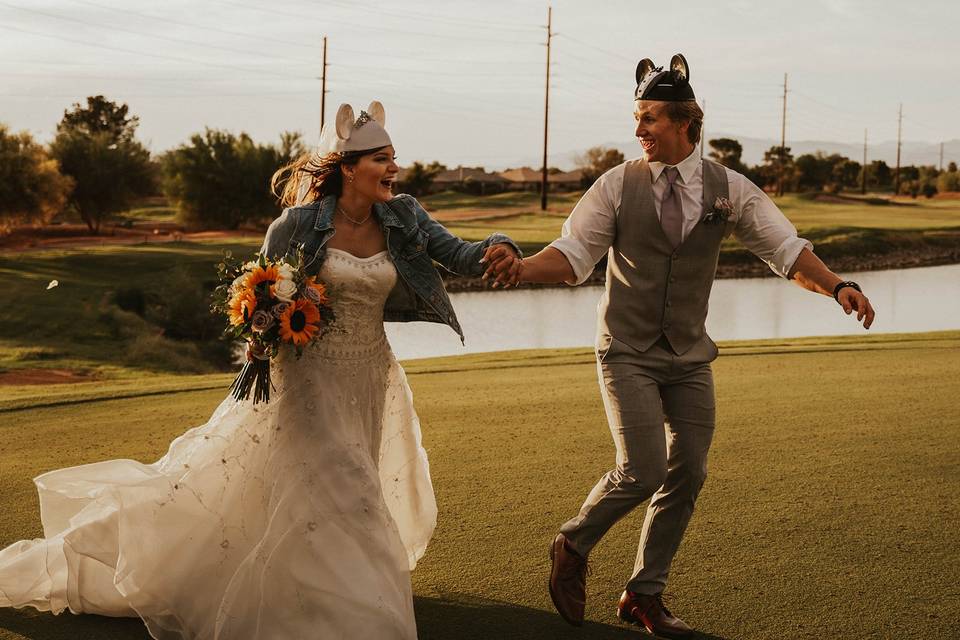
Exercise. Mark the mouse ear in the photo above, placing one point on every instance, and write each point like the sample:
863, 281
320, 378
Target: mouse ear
644, 68
375, 111
680, 69
345, 121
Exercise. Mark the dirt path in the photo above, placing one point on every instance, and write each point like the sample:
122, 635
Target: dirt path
72, 236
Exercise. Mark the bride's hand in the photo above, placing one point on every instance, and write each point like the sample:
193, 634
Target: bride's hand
503, 264
254, 349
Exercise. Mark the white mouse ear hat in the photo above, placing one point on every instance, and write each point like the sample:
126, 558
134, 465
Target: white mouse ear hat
350, 133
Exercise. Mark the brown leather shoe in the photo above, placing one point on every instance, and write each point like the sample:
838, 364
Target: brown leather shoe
568, 581
650, 612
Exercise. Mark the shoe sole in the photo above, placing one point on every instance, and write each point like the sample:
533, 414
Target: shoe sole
626, 618
570, 621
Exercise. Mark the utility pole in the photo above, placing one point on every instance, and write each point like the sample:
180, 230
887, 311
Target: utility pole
783, 138
323, 88
896, 177
546, 114
863, 176
941, 156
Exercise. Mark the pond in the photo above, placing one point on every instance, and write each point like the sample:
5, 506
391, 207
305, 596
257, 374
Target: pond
906, 300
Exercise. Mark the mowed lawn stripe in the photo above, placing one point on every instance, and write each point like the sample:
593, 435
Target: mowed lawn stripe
831, 509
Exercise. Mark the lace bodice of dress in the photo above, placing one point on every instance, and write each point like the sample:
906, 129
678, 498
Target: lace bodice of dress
358, 289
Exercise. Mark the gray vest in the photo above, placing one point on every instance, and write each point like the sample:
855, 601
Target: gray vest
653, 289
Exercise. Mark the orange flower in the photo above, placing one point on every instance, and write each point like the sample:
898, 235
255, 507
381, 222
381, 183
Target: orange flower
242, 305
319, 287
269, 274
298, 324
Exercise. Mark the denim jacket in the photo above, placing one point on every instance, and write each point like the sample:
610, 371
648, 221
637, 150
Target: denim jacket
414, 241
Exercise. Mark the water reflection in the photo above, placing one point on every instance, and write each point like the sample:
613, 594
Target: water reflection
907, 300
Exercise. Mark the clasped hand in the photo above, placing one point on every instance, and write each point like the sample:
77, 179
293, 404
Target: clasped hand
503, 265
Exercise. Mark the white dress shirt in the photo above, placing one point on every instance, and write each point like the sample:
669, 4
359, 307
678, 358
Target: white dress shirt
589, 231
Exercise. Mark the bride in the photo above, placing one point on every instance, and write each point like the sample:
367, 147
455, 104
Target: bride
302, 517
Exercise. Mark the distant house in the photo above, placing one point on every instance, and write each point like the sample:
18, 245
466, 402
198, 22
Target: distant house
527, 179
566, 180
522, 179
470, 179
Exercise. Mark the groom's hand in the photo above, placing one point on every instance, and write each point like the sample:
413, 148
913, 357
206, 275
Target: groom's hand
503, 265
852, 300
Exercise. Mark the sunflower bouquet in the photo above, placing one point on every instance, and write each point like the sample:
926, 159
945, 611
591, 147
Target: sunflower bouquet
269, 303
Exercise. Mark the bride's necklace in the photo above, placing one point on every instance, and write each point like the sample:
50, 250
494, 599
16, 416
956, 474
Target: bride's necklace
354, 220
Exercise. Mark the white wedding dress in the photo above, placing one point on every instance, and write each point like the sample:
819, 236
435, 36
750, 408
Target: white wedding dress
300, 518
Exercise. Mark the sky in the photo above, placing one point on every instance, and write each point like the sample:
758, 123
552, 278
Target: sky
464, 82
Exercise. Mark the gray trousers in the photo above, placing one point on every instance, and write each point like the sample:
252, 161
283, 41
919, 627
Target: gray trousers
663, 461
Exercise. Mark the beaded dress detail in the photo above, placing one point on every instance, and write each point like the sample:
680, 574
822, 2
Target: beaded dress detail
300, 518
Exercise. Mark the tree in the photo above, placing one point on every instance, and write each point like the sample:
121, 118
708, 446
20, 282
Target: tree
596, 161
420, 176
949, 181
221, 180
770, 171
879, 175
101, 116
846, 173
728, 152
95, 146
952, 167
32, 189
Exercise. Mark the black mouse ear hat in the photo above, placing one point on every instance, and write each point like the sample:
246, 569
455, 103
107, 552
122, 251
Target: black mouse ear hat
671, 85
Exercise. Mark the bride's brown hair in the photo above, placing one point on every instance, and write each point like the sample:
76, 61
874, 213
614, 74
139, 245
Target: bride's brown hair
323, 172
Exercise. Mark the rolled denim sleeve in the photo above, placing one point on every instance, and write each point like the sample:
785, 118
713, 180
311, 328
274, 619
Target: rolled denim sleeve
277, 239
456, 255
762, 227
589, 230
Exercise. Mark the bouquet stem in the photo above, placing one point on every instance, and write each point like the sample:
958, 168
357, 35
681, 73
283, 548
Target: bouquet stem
255, 376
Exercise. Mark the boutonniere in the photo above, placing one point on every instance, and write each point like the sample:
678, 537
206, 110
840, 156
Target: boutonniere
722, 210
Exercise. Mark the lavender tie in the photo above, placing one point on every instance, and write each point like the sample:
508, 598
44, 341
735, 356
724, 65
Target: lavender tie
671, 212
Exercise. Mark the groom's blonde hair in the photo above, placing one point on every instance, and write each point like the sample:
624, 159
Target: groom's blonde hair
687, 111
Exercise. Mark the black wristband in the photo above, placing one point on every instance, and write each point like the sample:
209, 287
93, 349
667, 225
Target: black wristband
845, 283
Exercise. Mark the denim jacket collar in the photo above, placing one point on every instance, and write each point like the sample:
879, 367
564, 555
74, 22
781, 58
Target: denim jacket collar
328, 206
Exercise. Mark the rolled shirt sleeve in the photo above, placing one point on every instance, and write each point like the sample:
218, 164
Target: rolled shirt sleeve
762, 227
588, 232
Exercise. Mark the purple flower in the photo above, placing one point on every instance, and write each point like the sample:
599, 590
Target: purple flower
279, 309
261, 321
312, 295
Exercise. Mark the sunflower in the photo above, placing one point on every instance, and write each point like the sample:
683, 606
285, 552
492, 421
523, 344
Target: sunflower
241, 306
319, 287
262, 274
298, 324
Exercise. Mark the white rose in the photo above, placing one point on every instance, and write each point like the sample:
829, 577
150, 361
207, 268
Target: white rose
238, 283
285, 290
250, 266
286, 272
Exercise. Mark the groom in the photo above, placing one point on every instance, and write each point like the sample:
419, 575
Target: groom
660, 221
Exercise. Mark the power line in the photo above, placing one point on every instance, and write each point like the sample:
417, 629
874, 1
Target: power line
364, 27
160, 56
596, 48
436, 18
149, 35
205, 27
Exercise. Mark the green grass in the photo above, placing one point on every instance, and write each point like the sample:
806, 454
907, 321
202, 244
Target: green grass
831, 510
76, 326
453, 200
852, 227
901, 214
